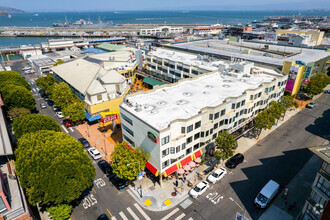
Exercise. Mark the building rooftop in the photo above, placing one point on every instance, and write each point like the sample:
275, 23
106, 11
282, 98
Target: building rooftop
5, 144
110, 47
322, 151
203, 62
188, 97
42, 60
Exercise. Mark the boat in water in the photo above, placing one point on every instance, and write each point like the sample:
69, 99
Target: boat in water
81, 23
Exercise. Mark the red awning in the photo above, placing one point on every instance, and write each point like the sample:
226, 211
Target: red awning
186, 160
170, 170
152, 168
198, 154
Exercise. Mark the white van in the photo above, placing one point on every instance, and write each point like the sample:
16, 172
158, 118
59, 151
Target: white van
267, 194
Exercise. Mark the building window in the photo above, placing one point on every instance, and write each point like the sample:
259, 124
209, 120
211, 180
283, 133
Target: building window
183, 146
196, 136
243, 103
216, 115
211, 131
223, 112
255, 96
99, 97
238, 105
165, 152
128, 140
165, 164
233, 106
189, 128
237, 114
188, 151
241, 112
189, 140
196, 146
215, 126
202, 134
251, 97
127, 119
128, 130
323, 185
259, 94
172, 150
207, 133
165, 140
197, 124
178, 149
214, 136
221, 122
211, 116
183, 130
266, 90
226, 121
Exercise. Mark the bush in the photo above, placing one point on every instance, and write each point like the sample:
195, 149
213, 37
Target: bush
60, 212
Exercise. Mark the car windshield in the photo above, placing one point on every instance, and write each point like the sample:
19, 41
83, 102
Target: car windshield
214, 174
262, 198
84, 142
96, 153
197, 189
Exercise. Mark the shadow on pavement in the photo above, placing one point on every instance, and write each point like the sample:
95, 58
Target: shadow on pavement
321, 126
271, 168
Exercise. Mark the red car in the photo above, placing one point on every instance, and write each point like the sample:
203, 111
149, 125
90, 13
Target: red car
67, 123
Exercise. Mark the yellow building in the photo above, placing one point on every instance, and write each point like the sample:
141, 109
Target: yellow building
296, 73
316, 35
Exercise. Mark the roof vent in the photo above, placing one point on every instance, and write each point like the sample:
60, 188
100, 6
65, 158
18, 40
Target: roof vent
187, 94
182, 102
138, 108
208, 86
206, 93
227, 81
153, 112
226, 86
161, 103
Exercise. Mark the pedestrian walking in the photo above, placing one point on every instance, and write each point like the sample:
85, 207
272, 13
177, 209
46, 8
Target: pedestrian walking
184, 179
293, 206
284, 204
176, 183
285, 193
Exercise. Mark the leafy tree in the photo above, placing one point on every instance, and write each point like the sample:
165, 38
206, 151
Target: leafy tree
317, 84
60, 212
264, 120
62, 95
18, 96
226, 144
74, 111
46, 83
18, 112
276, 109
126, 161
14, 78
59, 62
52, 167
33, 123
289, 102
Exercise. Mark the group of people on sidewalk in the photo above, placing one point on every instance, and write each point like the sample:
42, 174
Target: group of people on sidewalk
285, 203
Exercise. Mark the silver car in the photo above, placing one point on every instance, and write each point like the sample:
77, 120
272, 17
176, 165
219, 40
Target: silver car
311, 104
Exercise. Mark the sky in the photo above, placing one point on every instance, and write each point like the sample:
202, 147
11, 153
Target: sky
116, 5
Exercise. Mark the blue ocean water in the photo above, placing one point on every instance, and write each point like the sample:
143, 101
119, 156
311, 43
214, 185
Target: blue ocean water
46, 19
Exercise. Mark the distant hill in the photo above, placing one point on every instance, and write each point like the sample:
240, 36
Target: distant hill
10, 10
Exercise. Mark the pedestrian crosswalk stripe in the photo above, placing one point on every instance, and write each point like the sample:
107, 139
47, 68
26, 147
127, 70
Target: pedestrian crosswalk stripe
141, 211
71, 129
65, 129
113, 218
132, 213
180, 216
170, 214
123, 216
190, 218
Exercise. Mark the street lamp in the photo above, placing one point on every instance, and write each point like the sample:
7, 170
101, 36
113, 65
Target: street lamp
238, 206
138, 175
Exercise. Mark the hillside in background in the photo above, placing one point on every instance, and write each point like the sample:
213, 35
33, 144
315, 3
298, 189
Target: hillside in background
10, 10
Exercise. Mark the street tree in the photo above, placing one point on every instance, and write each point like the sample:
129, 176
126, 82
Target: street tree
33, 123
126, 161
317, 84
264, 120
14, 78
46, 83
62, 95
52, 167
289, 102
17, 112
17, 97
60, 212
277, 109
226, 144
74, 111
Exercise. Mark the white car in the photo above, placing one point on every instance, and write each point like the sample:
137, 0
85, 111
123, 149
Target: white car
27, 68
217, 175
59, 115
93, 152
43, 105
199, 189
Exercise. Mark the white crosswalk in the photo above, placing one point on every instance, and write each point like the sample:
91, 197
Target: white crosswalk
132, 213
64, 128
141, 211
169, 215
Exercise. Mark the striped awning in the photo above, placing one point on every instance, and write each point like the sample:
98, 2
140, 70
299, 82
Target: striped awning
152, 168
186, 160
197, 154
171, 170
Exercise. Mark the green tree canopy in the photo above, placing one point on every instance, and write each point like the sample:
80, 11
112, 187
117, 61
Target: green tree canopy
317, 84
52, 167
58, 62
60, 212
289, 102
126, 161
14, 78
276, 109
74, 111
226, 144
18, 96
33, 123
46, 83
62, 95
18, 112
264, 120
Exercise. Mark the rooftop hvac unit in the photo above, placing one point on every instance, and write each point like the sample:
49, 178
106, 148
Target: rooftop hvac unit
138, 108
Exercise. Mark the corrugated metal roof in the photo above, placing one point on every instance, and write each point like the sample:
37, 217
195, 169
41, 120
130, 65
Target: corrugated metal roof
152, 81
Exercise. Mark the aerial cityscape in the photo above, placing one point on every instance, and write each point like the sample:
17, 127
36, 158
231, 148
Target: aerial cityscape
173, 110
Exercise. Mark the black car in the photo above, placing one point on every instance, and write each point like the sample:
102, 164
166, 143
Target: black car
105, 167
234, 161
103, 217
50, 102
84, 142
118, 182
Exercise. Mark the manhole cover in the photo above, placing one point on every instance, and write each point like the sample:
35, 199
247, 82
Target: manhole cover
151, 188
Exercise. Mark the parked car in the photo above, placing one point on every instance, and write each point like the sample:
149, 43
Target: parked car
103, 217
266, 194
46, 98
57, 109
26, 68
118, 182
84, 142
234, 161
94, 153
268, 55
199, 189
50, 102
59, 115
327, 91
311, 104
217, 175
67, 123
105, 167
43, 105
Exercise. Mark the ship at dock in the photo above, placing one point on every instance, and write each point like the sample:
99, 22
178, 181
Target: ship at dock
81, 23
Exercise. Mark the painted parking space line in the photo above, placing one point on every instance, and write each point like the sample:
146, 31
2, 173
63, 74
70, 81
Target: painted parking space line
180, 216
123, 216
71, 129
94, 190
170, 214
190, 218
65, 129
109, 212
141, 211
132, 213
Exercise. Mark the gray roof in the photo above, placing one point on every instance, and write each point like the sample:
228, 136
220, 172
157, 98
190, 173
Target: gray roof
95, 88
112, 77
5, 144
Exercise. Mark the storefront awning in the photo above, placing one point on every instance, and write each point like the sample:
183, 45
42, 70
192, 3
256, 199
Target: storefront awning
152, 81
91, 118
186, 160
197, 154
152, 168
171, 170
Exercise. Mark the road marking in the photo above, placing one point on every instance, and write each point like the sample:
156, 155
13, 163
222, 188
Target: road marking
170, 214
190, 218
141, 211
109, 212
94, 190
123, 216
180, 216
132, 213
71, 129
64, 129
113, 218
